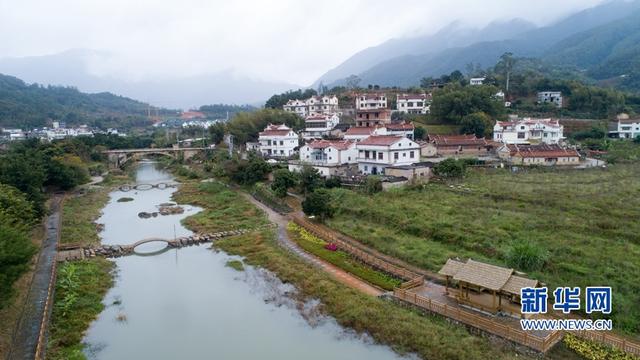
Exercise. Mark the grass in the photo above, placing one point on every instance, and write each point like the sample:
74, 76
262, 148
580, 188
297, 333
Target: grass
441, 129
78, 216
315, 245
223, 208
404, 330
236, 265
583, 223
80, 288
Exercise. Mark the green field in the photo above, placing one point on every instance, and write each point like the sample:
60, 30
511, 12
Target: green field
582, 225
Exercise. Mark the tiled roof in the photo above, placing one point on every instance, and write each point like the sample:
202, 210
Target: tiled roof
382, 140
359, 130
400, 126
338, 144
540, 150
457, 140
275, 130
412, 96
488, 276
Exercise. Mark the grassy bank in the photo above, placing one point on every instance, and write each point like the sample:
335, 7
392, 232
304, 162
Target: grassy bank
580, 227
403, 329
316, 246
80, 286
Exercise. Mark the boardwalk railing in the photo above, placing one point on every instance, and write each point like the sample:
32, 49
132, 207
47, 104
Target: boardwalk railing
541, 344
363, 256
609, 339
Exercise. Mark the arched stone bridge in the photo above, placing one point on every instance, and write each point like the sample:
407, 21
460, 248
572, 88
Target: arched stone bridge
118, 158
111, 251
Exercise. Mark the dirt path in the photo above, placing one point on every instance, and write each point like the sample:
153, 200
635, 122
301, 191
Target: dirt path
26, 336
284, 240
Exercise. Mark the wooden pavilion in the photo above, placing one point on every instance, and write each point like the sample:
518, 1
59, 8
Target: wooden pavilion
484, 279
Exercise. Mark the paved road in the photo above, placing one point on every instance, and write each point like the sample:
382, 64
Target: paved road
26, 336
284, 240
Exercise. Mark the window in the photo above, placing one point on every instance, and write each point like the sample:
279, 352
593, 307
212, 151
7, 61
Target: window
380, 156
366, 154
268, 142
404, 154
411, 154
282, 152
281, 142
520, 135
395, 156
366, 168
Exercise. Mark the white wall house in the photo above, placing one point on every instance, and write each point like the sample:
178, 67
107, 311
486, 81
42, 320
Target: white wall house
314, 105
319, 125
553, 97
528, 131
278, 141
371, 101
627, 128
476, 81
412, 103
329, 157
378, 152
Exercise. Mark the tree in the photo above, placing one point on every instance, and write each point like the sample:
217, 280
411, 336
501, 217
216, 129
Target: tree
352, 82
450, 168
216, 133
454, 102
278, 100
318, 203
248, 172
310, 179
426, 82
419, 133
477, 123
15, 209
372, 185
283, 179
246, 126
506, 64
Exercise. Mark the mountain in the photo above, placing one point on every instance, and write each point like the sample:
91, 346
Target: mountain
29, 106
407, 70
74, 68
453, 35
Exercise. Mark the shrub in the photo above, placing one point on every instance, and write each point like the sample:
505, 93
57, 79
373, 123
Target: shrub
527, 256
318, 203
372, 185
450, 168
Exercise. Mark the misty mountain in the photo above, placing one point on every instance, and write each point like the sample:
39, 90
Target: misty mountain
73, 68
453, 35
407, 70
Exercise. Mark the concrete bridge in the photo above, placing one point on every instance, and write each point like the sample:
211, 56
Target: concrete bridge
118, 158
71, 252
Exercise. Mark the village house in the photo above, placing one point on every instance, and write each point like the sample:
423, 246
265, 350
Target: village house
315, 105
371, 101
446, 145
551, 97
401, 129
373, 117
278, 141
414, 173
319, 125
413, 103
527, 131
192, 114
377, 152
540, 154
476, 81
626, 127
359, 133
329, 157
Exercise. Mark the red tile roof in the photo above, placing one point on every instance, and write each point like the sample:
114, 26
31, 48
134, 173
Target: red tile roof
360, 130
400, 126
275, 130
192, 115
382, 140
457, 140
338, 144
540, 150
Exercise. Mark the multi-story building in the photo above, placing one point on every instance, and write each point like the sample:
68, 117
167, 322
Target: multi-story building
476, 81
412, 103
358, 134
552, 97
278, 141
317, 126
329, 157
371, 101
373, 117
378, 152
527, 130
626, 128
315, 105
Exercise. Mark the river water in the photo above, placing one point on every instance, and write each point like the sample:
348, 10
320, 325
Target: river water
187, 304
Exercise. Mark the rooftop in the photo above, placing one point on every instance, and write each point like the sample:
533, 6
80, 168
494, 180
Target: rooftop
338, 144
382, 140
540, 150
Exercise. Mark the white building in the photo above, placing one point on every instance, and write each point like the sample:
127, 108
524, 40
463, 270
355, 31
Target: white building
401, 129
358, 133
13, 134
314, 105
552, 97
627, 128
278, 141
412, 103
476, 81
317, 126
329, 157
371, 101
528, 131
378, 152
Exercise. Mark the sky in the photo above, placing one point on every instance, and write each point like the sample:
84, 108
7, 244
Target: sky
292, 41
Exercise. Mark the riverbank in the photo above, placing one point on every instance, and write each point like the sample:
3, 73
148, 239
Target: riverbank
80, 286
406, 331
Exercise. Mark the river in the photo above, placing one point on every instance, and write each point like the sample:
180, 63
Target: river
187, 304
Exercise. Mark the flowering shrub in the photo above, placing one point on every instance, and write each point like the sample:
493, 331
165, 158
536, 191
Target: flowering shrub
594, 351
331, 247
305, 235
